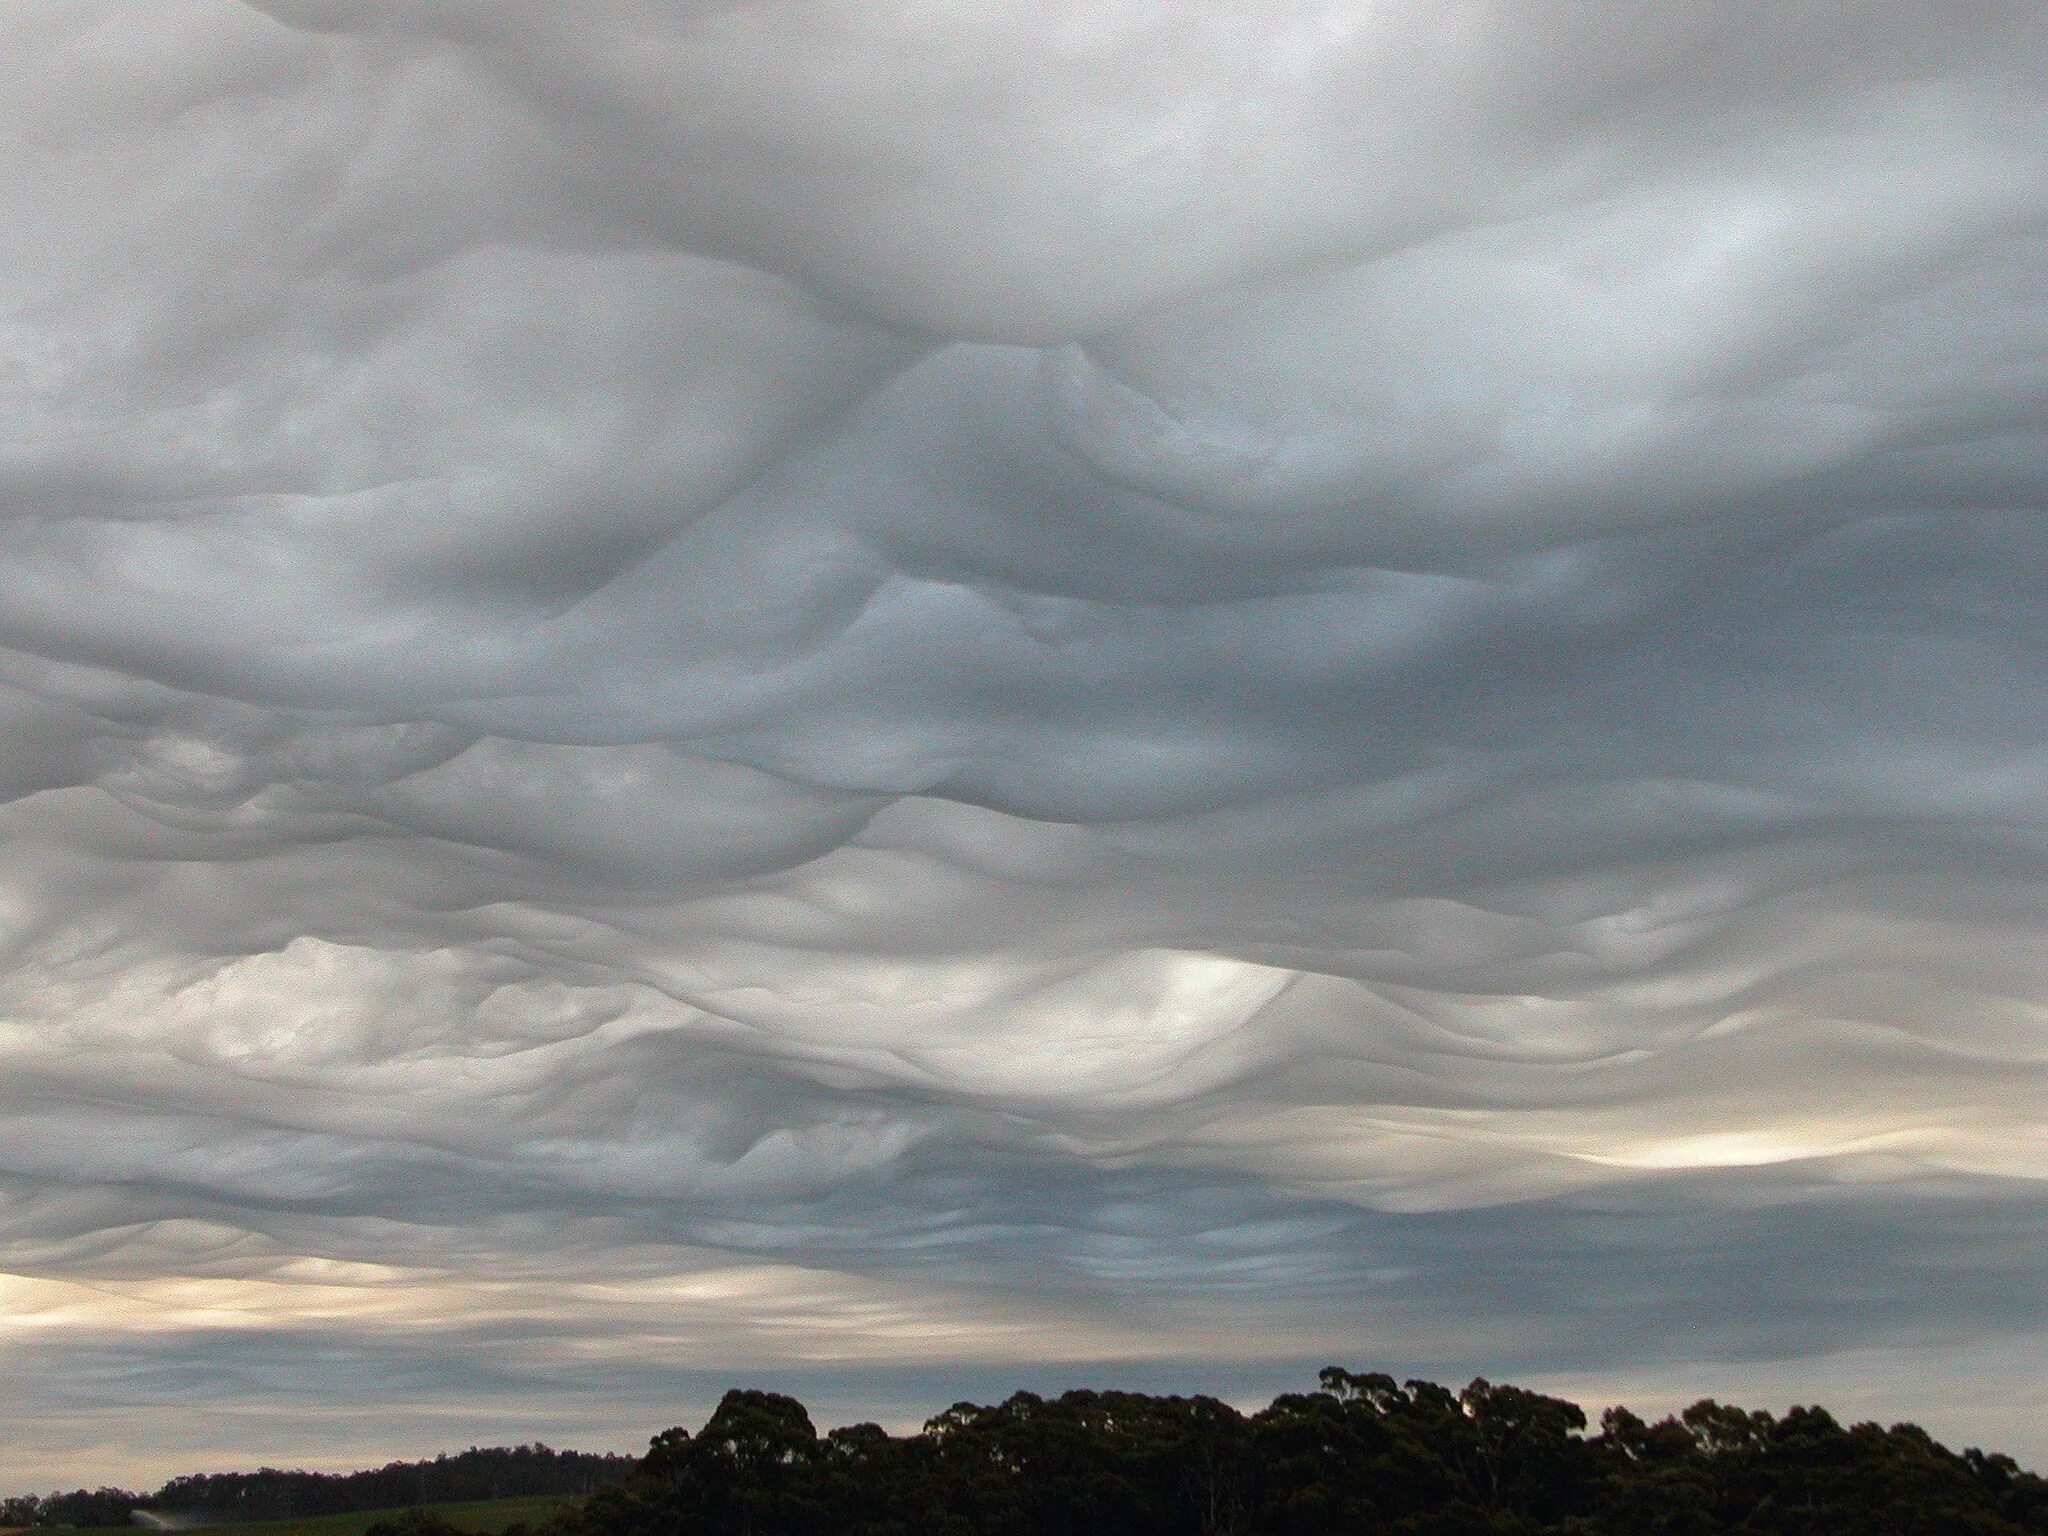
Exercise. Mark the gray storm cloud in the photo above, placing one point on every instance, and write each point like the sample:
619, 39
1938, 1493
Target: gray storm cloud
889, 691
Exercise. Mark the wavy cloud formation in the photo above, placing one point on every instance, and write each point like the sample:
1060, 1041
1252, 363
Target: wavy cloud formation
901, 695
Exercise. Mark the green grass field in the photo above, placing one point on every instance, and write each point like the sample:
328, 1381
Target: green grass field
486, 1517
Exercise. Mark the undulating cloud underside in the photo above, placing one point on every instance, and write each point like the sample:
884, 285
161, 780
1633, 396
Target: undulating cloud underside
886, 695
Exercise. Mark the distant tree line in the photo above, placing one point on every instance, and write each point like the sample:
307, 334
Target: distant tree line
228, 1497
1364, 1456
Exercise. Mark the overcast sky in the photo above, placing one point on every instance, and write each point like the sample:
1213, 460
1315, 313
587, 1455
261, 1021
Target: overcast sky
903, 697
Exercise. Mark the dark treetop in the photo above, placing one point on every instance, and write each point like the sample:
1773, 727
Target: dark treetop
1364, 1454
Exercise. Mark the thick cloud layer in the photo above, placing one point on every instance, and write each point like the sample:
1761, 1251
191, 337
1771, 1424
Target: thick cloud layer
898, 695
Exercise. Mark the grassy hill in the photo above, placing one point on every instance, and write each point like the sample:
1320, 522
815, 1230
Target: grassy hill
486, 1517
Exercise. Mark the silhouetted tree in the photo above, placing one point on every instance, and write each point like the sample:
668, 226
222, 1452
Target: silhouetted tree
1362, 1455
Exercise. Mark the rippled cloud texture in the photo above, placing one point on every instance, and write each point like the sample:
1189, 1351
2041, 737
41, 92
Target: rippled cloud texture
901, 697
